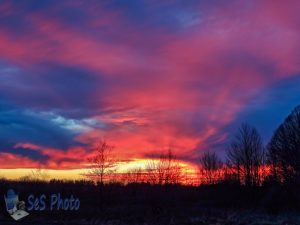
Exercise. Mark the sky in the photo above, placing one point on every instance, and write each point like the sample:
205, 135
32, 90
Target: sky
145, 76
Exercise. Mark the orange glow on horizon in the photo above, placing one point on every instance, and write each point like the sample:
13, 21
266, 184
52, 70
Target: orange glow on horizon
187, 169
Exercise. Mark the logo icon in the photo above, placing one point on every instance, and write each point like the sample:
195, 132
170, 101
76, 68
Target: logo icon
14, 207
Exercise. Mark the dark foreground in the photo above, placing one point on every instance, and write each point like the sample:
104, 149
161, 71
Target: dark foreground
116, 204
210, 218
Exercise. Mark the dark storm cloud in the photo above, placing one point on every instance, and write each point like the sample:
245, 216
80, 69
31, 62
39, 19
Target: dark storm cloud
18, 125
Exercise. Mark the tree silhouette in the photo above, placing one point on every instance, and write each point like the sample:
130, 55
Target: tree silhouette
102, 163
284, 149
210, 166
164, 171
37, 174
246, 155
133, 176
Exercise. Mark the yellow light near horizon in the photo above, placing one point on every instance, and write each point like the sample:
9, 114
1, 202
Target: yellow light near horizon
79, 174
14, 174
144, 163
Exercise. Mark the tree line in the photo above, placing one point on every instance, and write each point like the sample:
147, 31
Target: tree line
248, 162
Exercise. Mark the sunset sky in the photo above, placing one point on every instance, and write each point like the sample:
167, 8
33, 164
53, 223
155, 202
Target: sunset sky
143, 75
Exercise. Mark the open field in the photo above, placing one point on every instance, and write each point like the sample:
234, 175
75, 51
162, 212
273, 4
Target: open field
145, 204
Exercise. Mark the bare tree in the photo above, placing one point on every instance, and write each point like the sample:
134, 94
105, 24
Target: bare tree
210, 166
102, 163
246, 155
134, 176
164, 171
38, 174
284, 149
